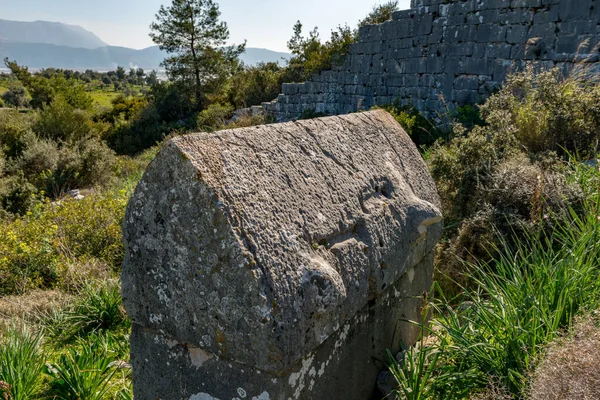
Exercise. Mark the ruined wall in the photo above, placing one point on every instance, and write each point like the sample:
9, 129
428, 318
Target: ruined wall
444, 53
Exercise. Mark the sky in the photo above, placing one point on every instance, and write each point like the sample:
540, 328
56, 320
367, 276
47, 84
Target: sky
263, 23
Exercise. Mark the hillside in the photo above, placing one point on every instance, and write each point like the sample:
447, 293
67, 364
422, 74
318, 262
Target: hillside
55, 33
40, 55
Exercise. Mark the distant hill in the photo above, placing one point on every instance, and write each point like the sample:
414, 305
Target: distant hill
40, 55
55, 33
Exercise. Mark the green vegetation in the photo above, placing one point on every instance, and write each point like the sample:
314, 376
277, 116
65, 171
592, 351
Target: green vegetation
519, 261
104, 99
199, 61
516, 304
21, 363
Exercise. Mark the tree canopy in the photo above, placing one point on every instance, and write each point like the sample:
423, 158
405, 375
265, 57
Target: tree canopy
190, 31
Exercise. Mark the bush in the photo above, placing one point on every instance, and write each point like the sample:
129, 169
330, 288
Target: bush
15, 128
16, 96
253, 85
38, 158
422, 131
508, 176
60, 122
519, 304
39, 248
547, 111
214, 117
142, 133
17, 195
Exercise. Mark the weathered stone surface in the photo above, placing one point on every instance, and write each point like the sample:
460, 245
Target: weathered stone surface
278, 261
459, 38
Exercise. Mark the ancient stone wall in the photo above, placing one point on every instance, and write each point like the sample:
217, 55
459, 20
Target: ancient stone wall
445, 53
278, 262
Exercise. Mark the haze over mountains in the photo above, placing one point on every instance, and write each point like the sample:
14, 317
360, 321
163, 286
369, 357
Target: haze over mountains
43, 44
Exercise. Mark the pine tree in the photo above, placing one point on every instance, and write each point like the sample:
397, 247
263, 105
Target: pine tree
191, 33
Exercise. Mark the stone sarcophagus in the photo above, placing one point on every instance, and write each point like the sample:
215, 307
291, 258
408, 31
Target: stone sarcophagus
278, 261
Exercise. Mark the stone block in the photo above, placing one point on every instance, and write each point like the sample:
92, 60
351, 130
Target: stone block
545, 31
574, 10
493, 4
517, 34
498, 50
567, 44
491, 33
510, 17
466, 82
550, 15
267, 262
483, 17
526, 3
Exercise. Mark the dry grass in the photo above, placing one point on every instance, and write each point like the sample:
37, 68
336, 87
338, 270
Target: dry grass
494, 391
31, 306
570, 369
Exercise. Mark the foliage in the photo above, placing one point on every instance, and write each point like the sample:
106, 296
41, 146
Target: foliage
38, 248
59, 121
214, 117
97, 309
22, 359
251, 86
519, 303
380, 13
50, 152
190, 31
16, 96
311, 56
84, 371
508, 173
547, 111
422, 131
14, 130
44, 88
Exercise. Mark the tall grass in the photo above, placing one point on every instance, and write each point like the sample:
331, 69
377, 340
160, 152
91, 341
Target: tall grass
84, 372
22, 360
519, 303
97, 309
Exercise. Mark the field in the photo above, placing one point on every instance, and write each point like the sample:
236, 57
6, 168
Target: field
102, 99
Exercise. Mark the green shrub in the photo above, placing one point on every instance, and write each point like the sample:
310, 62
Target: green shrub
17, 195
214, 117
255, 84
519, 302
98, 162
40, 247
547, 111
16, 96
38, 158
142, 133
59, 121
22, 359
15, 128
422, 131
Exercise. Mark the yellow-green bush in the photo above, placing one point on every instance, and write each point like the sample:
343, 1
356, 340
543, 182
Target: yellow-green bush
46, 242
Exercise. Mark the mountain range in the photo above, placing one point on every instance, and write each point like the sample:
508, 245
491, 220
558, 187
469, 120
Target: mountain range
43, 44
